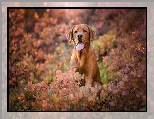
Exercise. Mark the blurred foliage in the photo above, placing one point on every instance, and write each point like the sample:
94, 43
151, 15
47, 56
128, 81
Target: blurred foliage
39, 56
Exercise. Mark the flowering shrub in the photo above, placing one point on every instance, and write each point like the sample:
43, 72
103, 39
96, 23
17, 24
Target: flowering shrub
63, 94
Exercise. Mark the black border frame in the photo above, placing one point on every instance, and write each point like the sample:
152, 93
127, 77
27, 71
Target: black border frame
67, 8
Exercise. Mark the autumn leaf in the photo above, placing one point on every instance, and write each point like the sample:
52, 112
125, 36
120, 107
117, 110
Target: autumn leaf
115, 91
91, 98
121, 84
112, 104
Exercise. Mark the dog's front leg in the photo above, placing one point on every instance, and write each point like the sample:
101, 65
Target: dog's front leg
88, 81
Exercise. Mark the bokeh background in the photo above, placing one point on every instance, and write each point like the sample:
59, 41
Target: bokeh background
38, 47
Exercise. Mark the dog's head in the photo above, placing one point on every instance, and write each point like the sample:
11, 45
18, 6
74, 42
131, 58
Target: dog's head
81, 34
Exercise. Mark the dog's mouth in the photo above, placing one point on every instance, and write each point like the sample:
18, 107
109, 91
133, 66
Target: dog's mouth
79, 46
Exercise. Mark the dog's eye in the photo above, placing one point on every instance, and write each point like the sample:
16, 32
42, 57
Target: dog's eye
84, 31
75, 31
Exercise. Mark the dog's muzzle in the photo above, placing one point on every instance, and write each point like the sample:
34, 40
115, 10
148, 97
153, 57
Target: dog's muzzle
80, 38
80, 45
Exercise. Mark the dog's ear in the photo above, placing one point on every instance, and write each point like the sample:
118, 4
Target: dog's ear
92, 34
70, 35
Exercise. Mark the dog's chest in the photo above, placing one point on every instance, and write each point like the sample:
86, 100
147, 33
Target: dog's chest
83, 63
79, 55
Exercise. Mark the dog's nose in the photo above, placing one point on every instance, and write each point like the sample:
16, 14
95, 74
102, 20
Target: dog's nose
80, 36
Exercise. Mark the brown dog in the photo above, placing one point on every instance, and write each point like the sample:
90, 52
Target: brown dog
83, 57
